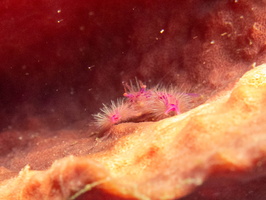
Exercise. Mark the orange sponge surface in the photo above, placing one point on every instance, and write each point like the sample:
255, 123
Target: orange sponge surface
217, 146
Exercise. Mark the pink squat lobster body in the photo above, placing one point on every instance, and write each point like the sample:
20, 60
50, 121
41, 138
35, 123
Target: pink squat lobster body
142, 104
110, 116
136, 93
170, 102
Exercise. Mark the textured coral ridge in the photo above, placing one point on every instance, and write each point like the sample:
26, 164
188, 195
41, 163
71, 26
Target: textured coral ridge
221, 142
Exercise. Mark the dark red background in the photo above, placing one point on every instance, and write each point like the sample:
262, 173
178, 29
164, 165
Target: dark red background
60, 60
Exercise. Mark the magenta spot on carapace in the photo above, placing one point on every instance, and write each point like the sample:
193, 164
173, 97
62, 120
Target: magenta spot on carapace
115, 118
128, 95
137, 95
143, 89
170, 102
172, 107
